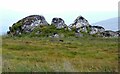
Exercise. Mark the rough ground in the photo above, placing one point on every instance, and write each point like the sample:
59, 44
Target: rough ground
71, 55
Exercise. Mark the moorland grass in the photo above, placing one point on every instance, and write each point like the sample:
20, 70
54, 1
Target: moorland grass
42, 54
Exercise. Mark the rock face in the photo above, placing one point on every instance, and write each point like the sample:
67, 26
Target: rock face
27, 24
59, 23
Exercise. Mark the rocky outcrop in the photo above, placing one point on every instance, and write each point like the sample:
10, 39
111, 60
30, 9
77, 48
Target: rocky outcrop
59, 23
36, 25
27, 24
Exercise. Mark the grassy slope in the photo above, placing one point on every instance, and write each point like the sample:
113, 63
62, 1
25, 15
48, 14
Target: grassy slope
74, 54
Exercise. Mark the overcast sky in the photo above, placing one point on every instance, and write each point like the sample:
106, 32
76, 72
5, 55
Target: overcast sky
93, 10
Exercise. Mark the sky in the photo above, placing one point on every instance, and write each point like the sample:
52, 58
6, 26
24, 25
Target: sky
93, 10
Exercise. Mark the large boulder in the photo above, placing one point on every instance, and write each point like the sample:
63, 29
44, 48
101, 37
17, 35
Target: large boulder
59, 23
27, 24
79, 22
96, 29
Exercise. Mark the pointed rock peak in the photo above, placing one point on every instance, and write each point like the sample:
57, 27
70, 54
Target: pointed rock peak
80, 17
79, 22
82, 20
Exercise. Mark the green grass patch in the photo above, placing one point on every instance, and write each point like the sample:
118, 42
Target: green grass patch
40, 54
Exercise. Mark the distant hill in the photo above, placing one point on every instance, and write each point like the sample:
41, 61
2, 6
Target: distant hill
109, 24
